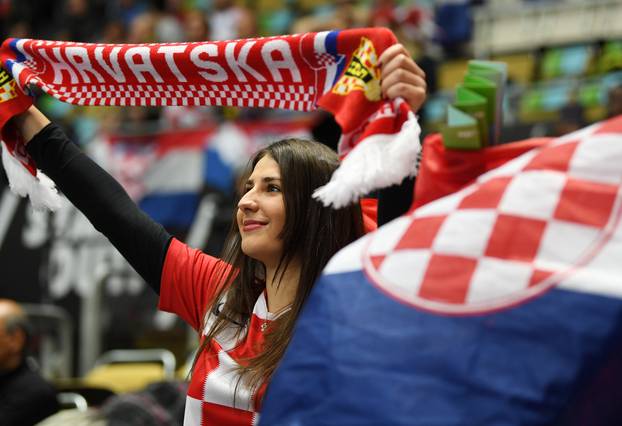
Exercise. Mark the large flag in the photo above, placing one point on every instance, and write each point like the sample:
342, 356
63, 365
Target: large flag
500, 304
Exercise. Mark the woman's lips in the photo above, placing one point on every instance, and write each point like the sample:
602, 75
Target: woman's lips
252, 225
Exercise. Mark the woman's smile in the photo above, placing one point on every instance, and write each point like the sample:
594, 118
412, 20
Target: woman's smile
250, 225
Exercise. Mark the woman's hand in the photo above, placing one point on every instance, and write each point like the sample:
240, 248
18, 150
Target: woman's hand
29, 123
401, 76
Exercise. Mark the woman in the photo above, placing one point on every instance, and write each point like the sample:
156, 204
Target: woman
245, 304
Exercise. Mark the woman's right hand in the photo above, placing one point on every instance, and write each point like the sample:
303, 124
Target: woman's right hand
29, 123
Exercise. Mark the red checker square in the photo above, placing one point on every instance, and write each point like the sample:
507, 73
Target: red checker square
487, 196
376, 261
420, 233
447, 278
613, 125
586, 202
538, 276
515, 238
553, 157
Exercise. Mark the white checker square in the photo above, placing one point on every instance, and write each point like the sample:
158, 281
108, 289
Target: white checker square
496, 279
510, 168
384, 242
404, 271
534, 194
598, 159
441, 206
564, 244
465, 233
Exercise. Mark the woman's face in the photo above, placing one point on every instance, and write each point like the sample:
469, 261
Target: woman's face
261, 213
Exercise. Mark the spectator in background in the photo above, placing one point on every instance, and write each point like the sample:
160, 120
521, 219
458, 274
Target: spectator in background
195, 25
25, 397
344, 14
455, 27
571, 118
77, 22
125, 11
228, 21
168, 26
614, 101
142, 29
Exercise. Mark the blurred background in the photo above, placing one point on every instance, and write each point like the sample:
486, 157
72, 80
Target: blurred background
565, 71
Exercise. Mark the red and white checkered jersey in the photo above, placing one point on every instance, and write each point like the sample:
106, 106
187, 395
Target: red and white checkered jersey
188, 286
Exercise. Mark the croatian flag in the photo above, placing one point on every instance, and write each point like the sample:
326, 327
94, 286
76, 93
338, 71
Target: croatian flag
500, 304
166, 172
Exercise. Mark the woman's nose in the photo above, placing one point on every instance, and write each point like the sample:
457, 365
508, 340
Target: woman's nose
248, 202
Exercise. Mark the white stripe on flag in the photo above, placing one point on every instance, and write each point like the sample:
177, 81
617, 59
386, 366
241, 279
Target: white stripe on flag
319, 44
178, 171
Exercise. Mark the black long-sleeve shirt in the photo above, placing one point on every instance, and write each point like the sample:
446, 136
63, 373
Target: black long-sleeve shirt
25, 397
142, 241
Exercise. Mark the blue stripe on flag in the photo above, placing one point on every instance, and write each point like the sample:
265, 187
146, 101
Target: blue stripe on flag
216, 172
19, 57
330, 42
176, 209
359, 357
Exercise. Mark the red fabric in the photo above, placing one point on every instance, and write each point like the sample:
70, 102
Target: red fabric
445, 171
337, 71
188, 282
369, 208
13, 102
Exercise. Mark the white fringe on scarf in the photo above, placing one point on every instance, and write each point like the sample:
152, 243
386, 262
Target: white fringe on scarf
376, 162
40, 189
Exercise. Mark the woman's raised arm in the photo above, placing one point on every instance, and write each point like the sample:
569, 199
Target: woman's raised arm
96, 194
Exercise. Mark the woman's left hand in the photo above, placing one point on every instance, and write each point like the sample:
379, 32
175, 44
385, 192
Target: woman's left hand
401, 76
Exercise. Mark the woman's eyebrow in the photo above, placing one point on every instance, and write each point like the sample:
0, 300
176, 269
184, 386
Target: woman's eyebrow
266, 179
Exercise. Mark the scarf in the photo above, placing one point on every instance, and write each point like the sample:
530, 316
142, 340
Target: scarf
334, 70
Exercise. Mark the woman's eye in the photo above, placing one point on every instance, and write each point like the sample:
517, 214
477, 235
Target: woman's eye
273, 188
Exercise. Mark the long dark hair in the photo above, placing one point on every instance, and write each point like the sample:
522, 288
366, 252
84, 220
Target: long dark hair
312, 233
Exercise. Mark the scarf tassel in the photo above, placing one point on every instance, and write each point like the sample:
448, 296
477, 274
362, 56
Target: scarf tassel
40, 189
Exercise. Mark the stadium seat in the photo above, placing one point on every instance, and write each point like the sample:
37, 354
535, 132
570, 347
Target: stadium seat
521, 66
450, 73
132, 369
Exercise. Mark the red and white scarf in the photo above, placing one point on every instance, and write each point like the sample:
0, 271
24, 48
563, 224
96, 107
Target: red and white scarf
334, 70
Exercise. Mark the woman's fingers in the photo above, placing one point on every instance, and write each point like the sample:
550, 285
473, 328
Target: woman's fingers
401, 76
397, 56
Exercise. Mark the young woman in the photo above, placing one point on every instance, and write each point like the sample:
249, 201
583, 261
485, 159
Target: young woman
244, 305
